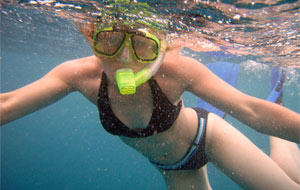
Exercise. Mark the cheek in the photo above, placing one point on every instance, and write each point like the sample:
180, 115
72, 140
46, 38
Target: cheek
110, 71
109, 68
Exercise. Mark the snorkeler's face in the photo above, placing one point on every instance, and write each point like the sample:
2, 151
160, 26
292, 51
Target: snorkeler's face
110, 42
125, 59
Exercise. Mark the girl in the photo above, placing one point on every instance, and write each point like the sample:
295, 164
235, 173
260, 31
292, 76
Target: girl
137, 83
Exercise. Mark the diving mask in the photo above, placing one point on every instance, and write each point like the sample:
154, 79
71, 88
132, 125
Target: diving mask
146, 47
108, 42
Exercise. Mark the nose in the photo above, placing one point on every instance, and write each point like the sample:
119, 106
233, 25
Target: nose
125, 52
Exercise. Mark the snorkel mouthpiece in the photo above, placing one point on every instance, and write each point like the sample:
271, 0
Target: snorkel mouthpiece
127, 81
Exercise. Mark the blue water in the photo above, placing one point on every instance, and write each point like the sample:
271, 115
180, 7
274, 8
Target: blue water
64, 146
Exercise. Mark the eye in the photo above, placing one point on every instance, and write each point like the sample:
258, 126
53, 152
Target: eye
145, 48
139, 43
107, 42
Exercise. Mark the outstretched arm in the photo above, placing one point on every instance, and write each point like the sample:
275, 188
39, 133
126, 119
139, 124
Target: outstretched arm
263, 116
47, 90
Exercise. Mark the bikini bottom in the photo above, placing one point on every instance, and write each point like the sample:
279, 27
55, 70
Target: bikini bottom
195, 157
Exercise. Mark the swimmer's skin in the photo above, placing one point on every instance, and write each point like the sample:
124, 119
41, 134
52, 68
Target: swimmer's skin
226, 147
263, 116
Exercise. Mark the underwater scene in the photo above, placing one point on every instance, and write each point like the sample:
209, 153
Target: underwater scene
64, 147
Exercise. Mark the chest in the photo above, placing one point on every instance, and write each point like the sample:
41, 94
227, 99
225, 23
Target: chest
135, 111
147, 112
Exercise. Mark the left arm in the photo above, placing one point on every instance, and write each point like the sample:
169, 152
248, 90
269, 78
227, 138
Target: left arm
264, 116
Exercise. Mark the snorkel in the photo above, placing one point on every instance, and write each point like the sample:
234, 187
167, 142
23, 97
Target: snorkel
128, 81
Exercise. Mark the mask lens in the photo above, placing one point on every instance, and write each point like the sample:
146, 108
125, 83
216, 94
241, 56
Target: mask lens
108, 42
145, 48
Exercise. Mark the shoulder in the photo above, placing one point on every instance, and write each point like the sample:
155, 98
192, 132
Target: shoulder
182, 69
76, 72
83, 67
177, 73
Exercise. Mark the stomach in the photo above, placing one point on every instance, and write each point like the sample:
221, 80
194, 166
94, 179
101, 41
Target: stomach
171, 145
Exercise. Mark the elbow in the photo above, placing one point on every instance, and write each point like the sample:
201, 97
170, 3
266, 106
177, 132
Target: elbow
255, 115
249, 113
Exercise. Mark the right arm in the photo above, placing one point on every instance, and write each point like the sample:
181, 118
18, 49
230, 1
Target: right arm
75, 75
41, 93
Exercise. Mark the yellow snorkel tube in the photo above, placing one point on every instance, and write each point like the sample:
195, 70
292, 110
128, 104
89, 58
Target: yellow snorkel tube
128, 81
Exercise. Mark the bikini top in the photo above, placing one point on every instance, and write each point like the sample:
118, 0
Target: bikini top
164, 113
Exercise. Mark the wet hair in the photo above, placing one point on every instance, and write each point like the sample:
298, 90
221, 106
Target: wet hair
88, 28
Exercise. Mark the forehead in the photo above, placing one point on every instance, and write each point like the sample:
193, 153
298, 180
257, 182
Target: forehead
139, 31
132, 30
132, 27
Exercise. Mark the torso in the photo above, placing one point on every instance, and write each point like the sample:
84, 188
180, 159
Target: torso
166, 147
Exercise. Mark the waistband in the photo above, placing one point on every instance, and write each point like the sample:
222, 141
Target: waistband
190, 153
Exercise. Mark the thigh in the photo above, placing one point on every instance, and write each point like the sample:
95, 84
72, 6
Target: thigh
236, 156
186, 179
287, 155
